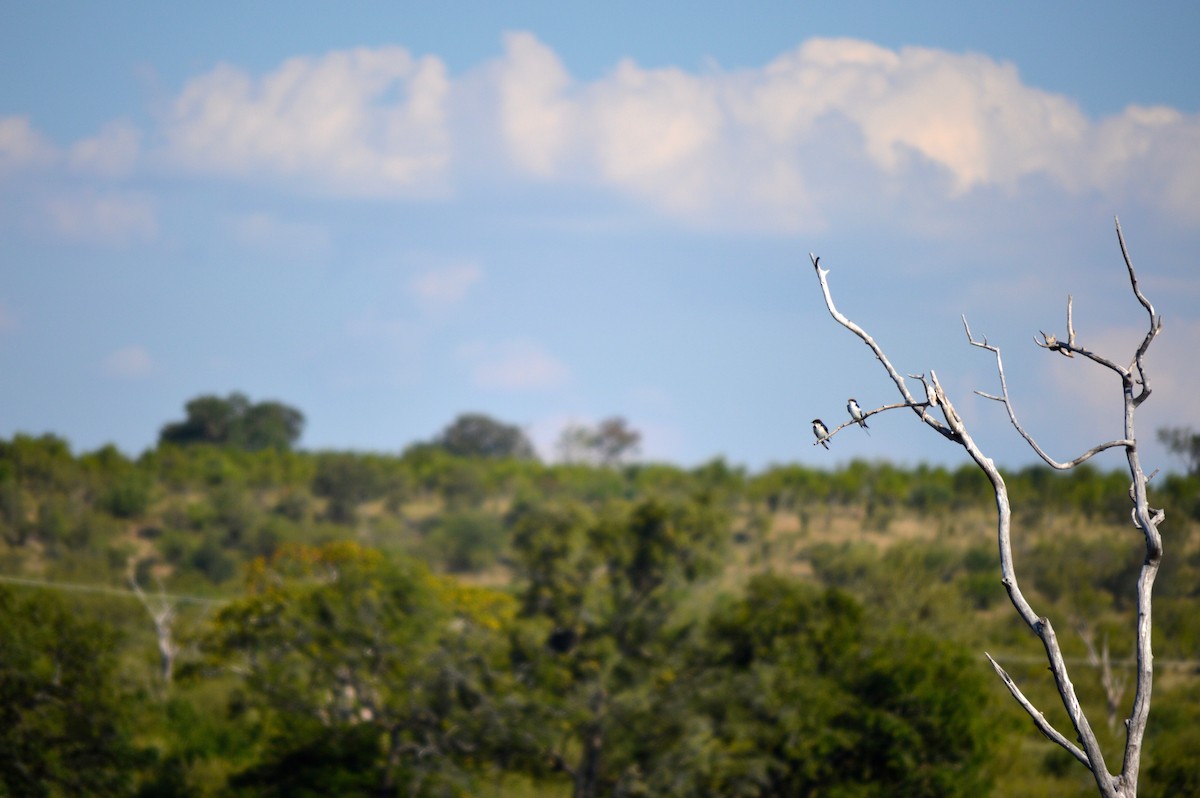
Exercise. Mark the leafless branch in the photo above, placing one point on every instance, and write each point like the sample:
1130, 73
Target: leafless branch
1135, 388
1155, 322
902, 386
1039, 719
1114, 685
866, 415
1006, 400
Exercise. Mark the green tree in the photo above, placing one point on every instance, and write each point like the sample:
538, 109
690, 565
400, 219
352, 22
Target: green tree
128, 495
369, 677
602, 596
43, 463
270, 425
791, 692
478, 435
63, 722
608, 443
346, 480
235, 421
464, 541
14, 524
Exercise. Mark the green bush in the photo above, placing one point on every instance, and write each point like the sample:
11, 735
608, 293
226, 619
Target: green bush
128, 495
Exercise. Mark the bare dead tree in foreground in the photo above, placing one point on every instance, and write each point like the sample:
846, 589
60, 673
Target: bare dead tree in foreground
1135, 386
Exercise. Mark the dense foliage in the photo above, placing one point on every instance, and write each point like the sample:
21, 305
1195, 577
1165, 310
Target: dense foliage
478, 435
236, 421
462, 619
63, 723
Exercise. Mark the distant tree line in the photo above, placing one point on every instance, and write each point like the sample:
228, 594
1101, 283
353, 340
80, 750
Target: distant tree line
628, 628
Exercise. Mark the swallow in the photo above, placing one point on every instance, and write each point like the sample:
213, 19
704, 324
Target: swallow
930, 396
821, 431
856, 413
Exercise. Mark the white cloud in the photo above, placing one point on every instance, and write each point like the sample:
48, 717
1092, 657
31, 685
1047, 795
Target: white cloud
362, 122
130, 363
445, 285
832, 130
113, 152
1152, 154
826, 129
656, 132
966, 113
21, 146
514, 365
536, 119
269, 234
111, 218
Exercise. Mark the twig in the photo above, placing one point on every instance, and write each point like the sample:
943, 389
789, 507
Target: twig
1012, 413
1039, 719
1135, 388
909, 400
866, 415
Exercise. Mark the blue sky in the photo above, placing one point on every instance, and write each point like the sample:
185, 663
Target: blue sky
388, 214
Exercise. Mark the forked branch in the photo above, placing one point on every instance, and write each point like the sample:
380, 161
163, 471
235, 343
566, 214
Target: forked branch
162, 612
1006, 400
909, 400
1135, 388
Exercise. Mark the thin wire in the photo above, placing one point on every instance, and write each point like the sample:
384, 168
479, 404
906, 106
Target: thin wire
109, 591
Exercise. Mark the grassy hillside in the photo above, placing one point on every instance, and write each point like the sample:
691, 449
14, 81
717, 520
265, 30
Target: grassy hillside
581, 598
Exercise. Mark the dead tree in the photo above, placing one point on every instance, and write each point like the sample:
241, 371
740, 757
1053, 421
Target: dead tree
1114, 686
1135, 386
162, 612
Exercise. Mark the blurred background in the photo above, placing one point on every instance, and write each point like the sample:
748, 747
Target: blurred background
395, 214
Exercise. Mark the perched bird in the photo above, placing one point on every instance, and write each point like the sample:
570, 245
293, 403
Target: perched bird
856, 413
930, 396
821, 431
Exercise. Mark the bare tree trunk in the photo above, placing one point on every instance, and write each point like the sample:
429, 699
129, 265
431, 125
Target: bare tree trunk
163, 615
587, 774
1135, 390
1114, 686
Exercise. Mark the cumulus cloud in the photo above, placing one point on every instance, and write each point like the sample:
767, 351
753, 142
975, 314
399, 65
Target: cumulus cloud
129, 363
1153, 154
362, 122
21, 146
519, 364
445, 285
666, 136
834, 129
774, 146
536, 118
94, 217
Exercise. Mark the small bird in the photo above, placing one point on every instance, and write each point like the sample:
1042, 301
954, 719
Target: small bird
930, 395
821, 431
857, 414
